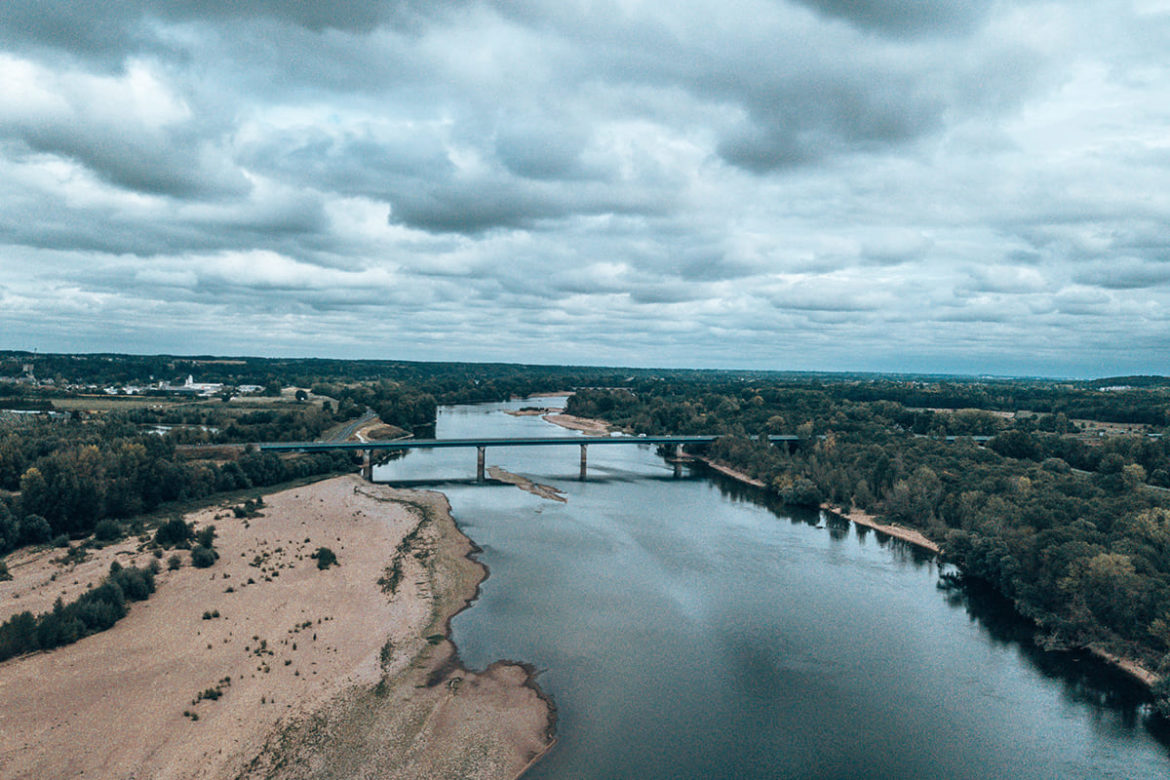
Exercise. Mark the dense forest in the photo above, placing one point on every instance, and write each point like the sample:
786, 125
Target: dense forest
1055, 493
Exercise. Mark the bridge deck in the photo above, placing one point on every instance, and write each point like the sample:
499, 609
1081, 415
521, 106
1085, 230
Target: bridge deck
544, 441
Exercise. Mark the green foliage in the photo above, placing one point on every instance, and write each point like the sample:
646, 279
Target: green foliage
206, 536
203, 557
324, 557
175, 532
107, 530
94, 611
35, 529
174, 562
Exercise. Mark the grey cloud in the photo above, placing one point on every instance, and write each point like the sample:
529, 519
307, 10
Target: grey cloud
179, 167
903, 17
797, 124
1127, 274
551, 151
82, 27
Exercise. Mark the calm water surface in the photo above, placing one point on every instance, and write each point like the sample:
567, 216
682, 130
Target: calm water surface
687, 630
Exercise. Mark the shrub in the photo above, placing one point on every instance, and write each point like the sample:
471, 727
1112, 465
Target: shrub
4, 574
206, 536
61, 540
174, 562
107, 530
173, 532
202, 557
325, 557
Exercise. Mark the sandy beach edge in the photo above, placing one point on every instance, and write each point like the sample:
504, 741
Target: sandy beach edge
454, 664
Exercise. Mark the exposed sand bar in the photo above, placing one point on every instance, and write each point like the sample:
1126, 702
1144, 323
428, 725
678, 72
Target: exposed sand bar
574, 423
331, 676
524, 483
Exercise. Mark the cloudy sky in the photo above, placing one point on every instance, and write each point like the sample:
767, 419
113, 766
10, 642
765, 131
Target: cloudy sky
971, 186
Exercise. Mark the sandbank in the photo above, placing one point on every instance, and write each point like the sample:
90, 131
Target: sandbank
574, 423
322, 673
524, 483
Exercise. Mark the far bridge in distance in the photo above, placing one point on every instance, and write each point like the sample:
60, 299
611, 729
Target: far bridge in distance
369, 447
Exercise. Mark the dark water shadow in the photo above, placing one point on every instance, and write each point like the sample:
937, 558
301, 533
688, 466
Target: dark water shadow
1084, 679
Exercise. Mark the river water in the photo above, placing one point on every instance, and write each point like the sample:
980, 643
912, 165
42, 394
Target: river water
686, 629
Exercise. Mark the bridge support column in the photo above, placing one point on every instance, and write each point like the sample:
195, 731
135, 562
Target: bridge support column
479, 458
583, 462
368, 465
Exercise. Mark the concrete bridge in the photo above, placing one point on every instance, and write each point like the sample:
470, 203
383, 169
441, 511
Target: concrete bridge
369, 447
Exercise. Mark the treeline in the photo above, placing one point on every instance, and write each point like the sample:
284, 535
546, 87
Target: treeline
1085, 555
69, 490
94, 611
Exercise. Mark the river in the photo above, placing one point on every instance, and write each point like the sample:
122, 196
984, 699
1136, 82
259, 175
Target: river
688, 630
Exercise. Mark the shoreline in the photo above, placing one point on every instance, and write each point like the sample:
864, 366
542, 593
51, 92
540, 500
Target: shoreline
436, 671
352, 673
909, 535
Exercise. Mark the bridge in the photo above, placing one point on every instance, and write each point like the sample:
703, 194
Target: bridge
369, 447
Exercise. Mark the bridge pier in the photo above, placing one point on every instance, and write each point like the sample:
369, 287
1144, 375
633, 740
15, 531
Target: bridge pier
368, 465
479, 459
583, 466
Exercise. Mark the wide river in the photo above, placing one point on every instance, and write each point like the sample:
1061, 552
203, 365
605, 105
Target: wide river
686, 629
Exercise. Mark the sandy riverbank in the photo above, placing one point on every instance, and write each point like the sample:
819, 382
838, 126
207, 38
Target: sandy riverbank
331, 675
915, 538
728, 471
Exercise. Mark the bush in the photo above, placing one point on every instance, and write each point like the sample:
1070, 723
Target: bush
206, 536
174, 532
4, 574
61, 540
202, 557
174, 562
801, 492
107, 531
325, 557
35, 529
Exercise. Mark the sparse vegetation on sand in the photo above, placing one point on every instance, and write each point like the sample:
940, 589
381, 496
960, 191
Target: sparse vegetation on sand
93, 611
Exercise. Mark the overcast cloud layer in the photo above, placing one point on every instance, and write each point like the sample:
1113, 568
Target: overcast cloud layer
965, 187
